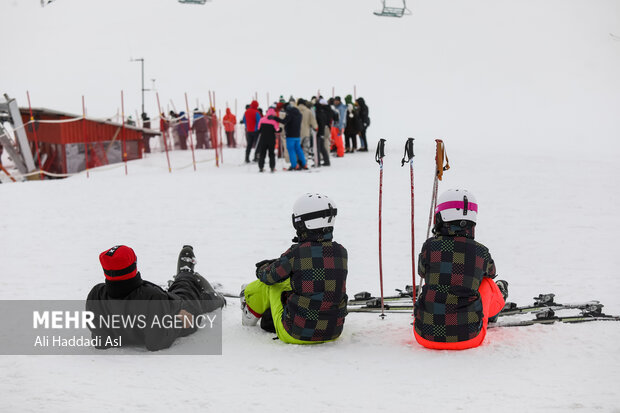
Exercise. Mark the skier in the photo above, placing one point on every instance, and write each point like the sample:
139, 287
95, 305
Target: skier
458, 296
363, 110
301, 296
340, 122
292, 129
126, 293
267, 129
230, 121
324, 118
308, 124
251, 118
352, 128
200, 127
182, 129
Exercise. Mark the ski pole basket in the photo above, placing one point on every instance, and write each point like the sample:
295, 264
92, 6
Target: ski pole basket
391, 11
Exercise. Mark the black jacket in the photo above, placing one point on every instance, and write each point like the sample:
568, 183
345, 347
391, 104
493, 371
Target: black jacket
363, 112
143, 300
267, 134
316, 307
324, 117
292, 121
354, 124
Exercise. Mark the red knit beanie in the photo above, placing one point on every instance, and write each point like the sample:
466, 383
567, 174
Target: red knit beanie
119, 263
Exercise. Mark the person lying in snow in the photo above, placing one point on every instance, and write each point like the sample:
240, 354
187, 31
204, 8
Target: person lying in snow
125, 292
301, 296
458, 296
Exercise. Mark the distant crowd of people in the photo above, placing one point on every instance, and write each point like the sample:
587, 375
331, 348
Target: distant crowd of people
205, 126
298, 129
294, 129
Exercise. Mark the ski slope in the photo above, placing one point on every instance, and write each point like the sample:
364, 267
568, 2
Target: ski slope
542, 238
526, 97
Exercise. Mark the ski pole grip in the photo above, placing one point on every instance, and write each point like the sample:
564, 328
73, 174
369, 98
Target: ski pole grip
380, 150
408, 152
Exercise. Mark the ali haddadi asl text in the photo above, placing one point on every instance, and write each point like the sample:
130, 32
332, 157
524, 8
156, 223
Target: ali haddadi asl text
75, 341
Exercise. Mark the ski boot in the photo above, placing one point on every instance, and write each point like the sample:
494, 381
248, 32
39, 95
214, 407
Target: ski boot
185, 263
247, 316
187, 259
266, 322
503, 288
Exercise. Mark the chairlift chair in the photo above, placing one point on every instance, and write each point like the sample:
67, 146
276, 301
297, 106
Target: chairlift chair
391, 11
193, 1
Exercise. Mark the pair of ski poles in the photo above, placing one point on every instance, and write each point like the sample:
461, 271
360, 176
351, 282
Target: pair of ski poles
407, 157
440, 167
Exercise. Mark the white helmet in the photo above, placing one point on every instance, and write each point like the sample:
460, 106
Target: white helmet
314, 211
456, 205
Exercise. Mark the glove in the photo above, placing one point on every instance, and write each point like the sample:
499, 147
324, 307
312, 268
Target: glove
261, 264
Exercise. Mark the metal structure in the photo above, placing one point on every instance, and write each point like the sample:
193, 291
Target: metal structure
46, 2
141, 60
22, 153
392, 11
193, 1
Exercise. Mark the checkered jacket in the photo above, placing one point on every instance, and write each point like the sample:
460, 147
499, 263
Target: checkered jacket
449, 308
316, 307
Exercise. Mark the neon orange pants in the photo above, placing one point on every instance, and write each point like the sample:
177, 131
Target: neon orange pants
337, 140
492, 303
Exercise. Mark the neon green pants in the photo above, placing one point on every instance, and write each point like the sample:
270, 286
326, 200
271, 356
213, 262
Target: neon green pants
260, 297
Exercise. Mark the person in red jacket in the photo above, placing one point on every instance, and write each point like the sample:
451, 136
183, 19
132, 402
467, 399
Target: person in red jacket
251, 119
458, 295
230, 121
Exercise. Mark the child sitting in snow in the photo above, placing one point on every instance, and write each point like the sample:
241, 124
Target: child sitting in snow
459, 295
304, 291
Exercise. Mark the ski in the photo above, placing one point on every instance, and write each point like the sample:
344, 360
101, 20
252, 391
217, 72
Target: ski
546, 301
404, 309
591, 311
362, 298
547, 316
397, 304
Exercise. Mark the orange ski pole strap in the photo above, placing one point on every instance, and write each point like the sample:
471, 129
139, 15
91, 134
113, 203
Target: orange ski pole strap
439, 159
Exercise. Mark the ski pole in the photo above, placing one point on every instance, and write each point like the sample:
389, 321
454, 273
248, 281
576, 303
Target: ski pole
440, 153
379, 158
408, 157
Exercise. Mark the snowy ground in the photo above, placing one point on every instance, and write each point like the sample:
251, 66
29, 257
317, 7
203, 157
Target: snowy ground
541, 216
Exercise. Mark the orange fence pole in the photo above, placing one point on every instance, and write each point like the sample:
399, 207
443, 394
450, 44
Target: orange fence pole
191, 141
221, 139
163, 132
7, 172
123, 137
84, 133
